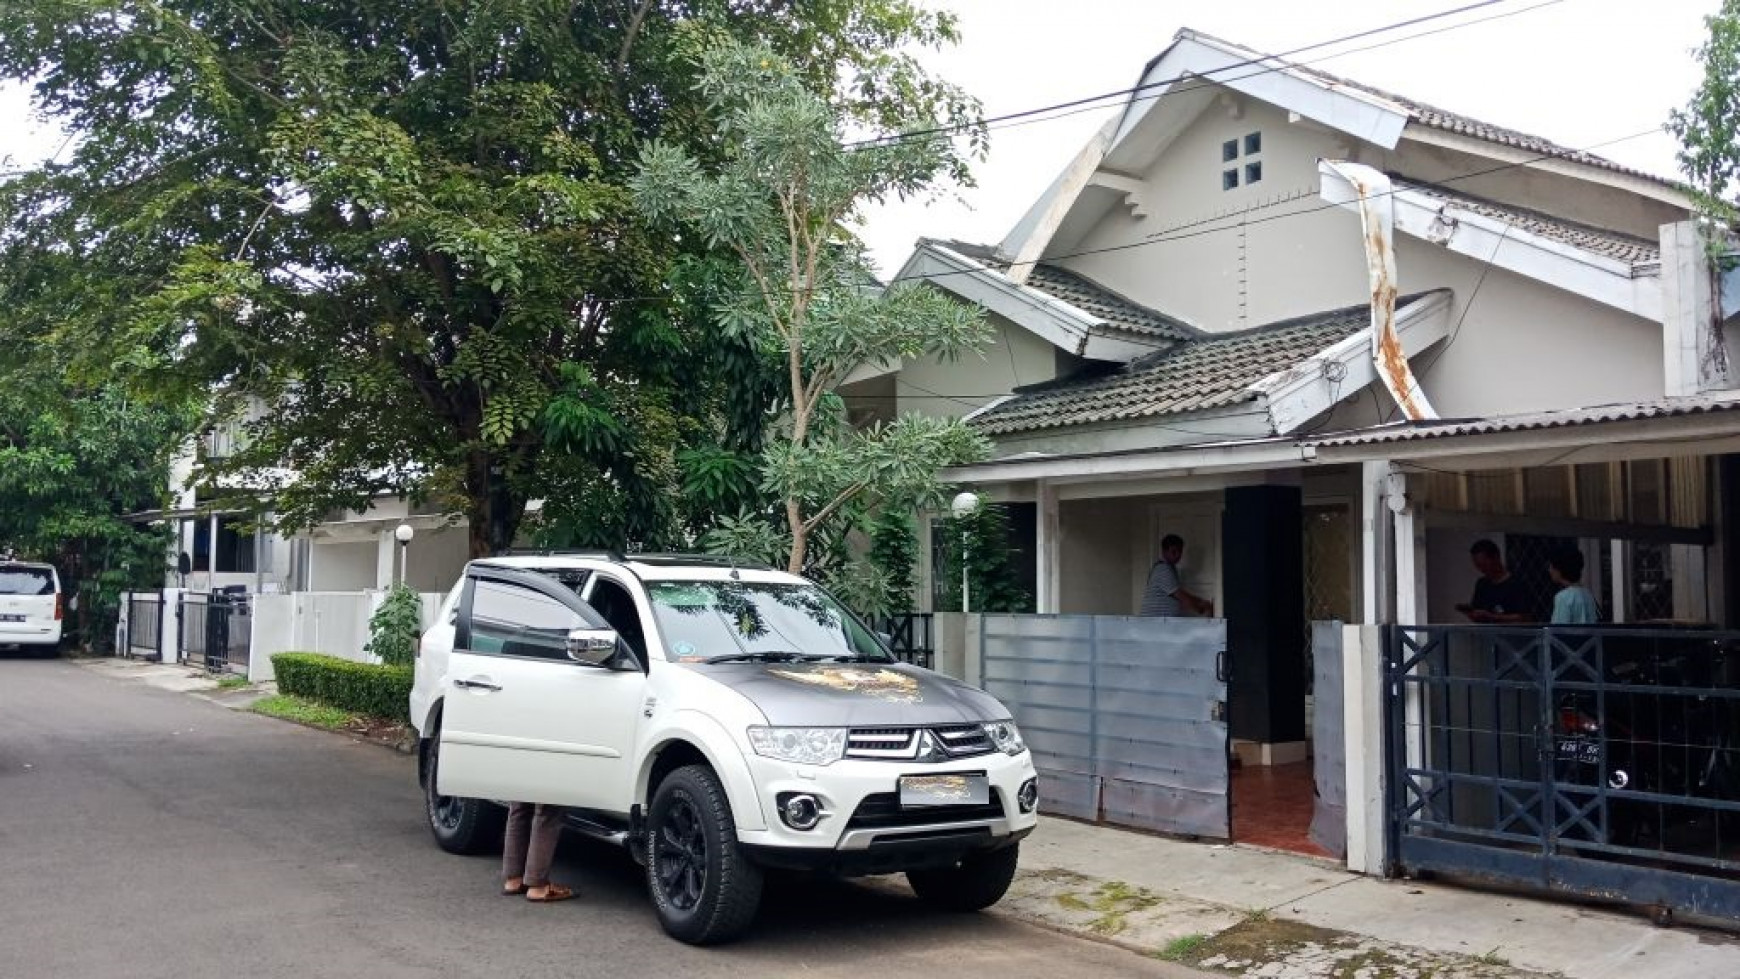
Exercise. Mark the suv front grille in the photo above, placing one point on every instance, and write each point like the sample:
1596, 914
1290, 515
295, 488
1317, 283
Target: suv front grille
882, 810
939, 743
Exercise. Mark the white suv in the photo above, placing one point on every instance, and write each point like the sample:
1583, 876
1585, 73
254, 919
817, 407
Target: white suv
718, 719
31, 610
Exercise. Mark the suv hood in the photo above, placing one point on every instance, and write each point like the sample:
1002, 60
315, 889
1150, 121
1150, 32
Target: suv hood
855, 694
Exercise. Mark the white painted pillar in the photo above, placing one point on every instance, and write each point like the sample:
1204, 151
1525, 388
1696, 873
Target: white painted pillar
169, 626
1694, 358
384, 560
1375, 593
1050, 556
1362, 680
1621, 583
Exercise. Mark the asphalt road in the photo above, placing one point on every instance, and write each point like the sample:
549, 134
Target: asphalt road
151, 834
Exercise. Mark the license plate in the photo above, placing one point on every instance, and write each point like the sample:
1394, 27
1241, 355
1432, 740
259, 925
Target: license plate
11, 618
1582, 750
920, 791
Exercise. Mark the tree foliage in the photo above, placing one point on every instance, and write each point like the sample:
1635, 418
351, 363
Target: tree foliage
980, 540
405, 227
1708, 128
73, 464
779, 197
395, 627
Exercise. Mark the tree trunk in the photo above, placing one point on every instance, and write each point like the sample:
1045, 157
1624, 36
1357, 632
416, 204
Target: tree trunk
491, 508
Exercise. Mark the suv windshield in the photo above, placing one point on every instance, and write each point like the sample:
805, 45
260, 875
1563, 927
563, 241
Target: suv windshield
17, 580
705, 620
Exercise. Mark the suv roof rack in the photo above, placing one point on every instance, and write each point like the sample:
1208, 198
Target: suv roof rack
592, 552
714, 560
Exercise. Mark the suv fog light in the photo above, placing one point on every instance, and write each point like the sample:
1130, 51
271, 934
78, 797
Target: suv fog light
1028, 796
799, 811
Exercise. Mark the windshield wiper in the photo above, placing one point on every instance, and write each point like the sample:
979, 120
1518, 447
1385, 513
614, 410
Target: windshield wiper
772, 656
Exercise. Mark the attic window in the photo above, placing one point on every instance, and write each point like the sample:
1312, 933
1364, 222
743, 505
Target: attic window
1252, 145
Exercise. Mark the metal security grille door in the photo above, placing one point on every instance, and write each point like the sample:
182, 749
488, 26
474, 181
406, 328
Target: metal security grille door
1125, 716
1598, 762
216, 632
144, 625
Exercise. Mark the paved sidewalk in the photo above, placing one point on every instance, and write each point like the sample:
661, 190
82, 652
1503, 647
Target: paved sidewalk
1260, 913
178, 679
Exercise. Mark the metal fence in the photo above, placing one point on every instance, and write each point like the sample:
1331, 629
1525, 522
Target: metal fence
912, 637
1602, 762
1125, 716
144, 625
216, 632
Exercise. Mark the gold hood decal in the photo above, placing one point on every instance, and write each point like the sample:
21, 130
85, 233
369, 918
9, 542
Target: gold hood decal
888, 685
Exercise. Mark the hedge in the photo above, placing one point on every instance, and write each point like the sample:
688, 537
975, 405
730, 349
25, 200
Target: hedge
362, 688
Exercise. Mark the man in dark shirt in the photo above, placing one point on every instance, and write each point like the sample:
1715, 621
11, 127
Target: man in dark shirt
1499, 598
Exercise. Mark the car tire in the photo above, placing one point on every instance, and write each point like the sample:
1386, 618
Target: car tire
459, 825
704, 889
977, 882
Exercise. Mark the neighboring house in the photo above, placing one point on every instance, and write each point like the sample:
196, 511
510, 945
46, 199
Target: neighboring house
350, 551
1187, 344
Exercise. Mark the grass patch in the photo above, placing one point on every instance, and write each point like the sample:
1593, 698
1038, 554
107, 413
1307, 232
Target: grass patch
1181, 948
303, 712
232, 681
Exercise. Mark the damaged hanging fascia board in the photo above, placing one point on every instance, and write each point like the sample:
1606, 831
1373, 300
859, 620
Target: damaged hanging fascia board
1372, 191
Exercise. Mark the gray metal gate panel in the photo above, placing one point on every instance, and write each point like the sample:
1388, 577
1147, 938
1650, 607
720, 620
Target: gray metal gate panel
1598, 761
1124, 715
1328, 741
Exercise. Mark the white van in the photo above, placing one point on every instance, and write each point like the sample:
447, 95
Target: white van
31, 608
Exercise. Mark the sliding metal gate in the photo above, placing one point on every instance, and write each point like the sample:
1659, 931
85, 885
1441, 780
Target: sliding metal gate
1125, 716
1598, 762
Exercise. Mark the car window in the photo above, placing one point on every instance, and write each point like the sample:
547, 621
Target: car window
612, 601
26, 581
513, 620
703, 619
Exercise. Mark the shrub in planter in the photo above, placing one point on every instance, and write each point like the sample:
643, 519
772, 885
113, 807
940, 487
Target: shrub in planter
362, 688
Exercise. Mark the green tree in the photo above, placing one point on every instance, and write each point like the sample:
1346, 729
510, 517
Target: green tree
73, 464
405, 227
1708, 128
787, 183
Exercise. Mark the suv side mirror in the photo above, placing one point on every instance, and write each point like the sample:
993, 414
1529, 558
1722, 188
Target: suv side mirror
593, 647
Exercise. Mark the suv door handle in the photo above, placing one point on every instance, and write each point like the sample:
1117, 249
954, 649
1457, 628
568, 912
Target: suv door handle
476, 684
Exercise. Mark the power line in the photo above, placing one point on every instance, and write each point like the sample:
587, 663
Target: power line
1124, 93
1282, 67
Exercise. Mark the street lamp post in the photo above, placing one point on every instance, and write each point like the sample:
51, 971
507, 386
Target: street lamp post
963, 506
403, 534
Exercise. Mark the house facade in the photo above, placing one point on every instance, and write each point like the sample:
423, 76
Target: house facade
1333, 337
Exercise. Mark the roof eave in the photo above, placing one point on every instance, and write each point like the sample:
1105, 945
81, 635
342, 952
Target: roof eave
1599, 278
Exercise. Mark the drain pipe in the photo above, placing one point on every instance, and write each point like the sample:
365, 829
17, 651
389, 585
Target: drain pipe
1377, 217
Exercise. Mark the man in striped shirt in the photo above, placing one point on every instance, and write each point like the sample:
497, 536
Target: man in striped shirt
1166, 596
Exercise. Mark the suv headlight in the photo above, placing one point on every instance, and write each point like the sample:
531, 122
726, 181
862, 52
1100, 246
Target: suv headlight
1005, 737
800, 745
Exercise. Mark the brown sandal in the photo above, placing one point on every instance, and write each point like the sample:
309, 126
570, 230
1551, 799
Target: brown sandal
507, 891
552, 894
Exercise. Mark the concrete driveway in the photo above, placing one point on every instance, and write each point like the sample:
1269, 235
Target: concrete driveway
145, 833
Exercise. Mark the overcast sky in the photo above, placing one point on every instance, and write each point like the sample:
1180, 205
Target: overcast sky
1580, 72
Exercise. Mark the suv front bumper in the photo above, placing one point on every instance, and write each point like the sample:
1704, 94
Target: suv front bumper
864, 830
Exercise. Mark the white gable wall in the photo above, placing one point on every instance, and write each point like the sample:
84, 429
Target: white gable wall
950, 389
1221, 280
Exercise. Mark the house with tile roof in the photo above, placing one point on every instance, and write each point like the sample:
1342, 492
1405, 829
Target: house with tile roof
1332, 337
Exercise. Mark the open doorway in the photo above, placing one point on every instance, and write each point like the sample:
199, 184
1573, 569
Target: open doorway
1277, 799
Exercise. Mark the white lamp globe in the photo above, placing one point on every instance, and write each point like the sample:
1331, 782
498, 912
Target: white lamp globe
403, 533
964, 504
